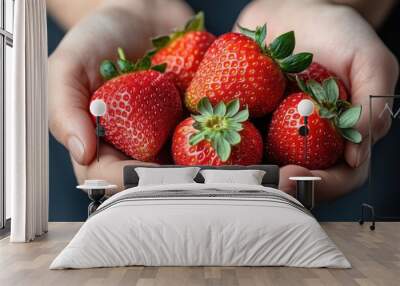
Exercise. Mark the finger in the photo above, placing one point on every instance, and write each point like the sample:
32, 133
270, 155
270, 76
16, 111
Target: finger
109, 167
336, 181
339, 180
288, 171
69, 119
374, 71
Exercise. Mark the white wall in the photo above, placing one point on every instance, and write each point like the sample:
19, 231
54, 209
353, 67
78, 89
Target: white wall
9, 25
8, 93
9, 15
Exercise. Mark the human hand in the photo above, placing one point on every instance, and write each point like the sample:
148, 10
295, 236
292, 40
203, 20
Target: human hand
74, 75
343, 41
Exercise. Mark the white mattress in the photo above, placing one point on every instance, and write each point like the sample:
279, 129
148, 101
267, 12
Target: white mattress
189, 231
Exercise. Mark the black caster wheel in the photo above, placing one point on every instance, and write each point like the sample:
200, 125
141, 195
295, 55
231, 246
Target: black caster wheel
361, 222
372, 227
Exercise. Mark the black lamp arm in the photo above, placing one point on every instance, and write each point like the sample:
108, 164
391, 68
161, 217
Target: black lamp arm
100, 132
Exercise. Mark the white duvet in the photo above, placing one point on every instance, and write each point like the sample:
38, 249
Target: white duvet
188, 231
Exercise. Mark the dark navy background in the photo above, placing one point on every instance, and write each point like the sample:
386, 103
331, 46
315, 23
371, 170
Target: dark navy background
69, 204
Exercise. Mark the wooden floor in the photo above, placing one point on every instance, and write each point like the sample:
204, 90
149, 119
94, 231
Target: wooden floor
375, 257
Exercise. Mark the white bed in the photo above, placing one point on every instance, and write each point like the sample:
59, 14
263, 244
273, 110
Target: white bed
201, 224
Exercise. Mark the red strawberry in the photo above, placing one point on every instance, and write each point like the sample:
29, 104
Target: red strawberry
183, 50
320, 73
218, 136
331, 122
143, 107
242, 66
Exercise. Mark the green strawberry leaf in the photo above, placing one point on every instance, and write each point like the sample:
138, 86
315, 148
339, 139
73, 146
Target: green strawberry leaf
233, 137
302, 85
283, 46
214, 138
108, 70
241, 116
161, 42
143, 64
196, 23
160, 68
223, 148
236, 126
125, 66
247, 32
296, 63
151, 53
342, 104
326, 113
232, 107
351, 135
317, 91
261, 33
197, 125
258, 35
220, 109
350, 117
204, 107
196, 138
200, 118
332, 90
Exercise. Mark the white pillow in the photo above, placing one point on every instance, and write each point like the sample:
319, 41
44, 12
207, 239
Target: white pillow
166, 176
248, 177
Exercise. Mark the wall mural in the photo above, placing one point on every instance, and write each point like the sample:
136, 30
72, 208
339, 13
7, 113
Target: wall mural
198, 97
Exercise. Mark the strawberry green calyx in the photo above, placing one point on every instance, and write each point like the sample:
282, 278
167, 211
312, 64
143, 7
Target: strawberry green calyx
109, 70
341, 113
194, 24
281, 49
220, 125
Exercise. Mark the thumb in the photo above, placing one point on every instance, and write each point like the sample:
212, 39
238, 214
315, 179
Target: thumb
285, 184
69, 119
374, 71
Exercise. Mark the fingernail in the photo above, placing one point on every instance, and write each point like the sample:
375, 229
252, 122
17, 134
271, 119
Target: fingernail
362, 154
75, 147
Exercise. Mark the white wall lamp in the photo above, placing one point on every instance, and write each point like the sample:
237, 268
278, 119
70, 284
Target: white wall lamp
305, 185
305, 109
98, 109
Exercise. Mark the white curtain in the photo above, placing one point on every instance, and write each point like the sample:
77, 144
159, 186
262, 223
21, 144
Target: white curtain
26, 124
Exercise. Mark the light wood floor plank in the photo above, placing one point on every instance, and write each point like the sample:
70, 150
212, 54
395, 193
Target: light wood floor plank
375, 257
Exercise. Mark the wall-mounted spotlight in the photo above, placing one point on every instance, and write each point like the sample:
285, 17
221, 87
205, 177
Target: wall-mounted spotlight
98, 108
305, 109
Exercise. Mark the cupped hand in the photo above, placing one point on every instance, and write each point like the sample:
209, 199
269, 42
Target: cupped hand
74, 76
343, 41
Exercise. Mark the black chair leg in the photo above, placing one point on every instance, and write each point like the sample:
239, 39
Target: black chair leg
365, 207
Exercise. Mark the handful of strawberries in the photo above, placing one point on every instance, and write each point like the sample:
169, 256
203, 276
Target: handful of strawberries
225, 83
